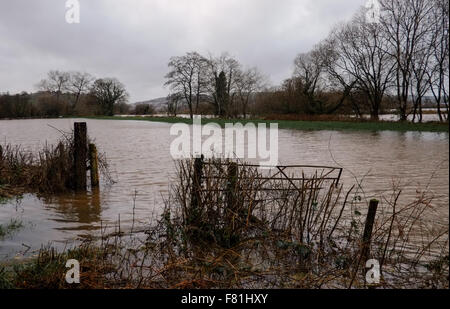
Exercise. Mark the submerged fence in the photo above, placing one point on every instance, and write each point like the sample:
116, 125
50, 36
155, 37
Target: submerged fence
302, 191
270, 179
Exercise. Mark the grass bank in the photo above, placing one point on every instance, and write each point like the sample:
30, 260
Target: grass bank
336, 125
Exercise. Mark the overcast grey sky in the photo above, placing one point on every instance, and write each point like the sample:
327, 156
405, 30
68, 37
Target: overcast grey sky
133, 40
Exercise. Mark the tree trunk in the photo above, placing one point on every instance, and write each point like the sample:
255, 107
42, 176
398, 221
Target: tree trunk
402, 112
420, 111
439, 110
374, 115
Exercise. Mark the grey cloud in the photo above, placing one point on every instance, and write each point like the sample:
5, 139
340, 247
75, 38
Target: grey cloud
133, 40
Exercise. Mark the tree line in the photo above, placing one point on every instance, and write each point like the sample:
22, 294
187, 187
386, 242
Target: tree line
362, 67
67, 94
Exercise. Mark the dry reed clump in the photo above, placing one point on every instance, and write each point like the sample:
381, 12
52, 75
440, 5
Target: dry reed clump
50, 170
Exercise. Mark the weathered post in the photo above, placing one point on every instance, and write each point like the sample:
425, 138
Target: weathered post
80, 154
367, 236
93, 159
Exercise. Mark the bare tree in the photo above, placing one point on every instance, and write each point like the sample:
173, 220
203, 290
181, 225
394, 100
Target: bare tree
187, 75
343, 83
419, 83
362, 54
308, 70
316, 78
173, 102
247, 84
438, 73
405, 24
109, 92
79, 84
231, 69
56, 83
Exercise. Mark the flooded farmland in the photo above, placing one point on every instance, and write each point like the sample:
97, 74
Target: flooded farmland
141, 165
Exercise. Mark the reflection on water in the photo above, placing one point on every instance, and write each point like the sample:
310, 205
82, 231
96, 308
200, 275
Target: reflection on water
82, 209
138, 153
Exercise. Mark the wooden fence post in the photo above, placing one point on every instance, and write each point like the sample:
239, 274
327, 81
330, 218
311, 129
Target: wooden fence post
93, 160
80, 155
367, 236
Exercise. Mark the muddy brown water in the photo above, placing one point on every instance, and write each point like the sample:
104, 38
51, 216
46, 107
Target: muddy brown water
140, 162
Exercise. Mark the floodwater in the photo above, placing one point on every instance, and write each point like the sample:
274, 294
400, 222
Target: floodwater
139, 156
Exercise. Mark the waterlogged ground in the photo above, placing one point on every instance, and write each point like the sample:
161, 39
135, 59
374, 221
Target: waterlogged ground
140, 162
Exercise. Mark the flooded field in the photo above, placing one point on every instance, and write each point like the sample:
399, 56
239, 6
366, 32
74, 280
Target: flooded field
140, 161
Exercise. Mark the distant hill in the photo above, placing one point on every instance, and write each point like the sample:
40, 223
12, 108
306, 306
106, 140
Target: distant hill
158, 103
